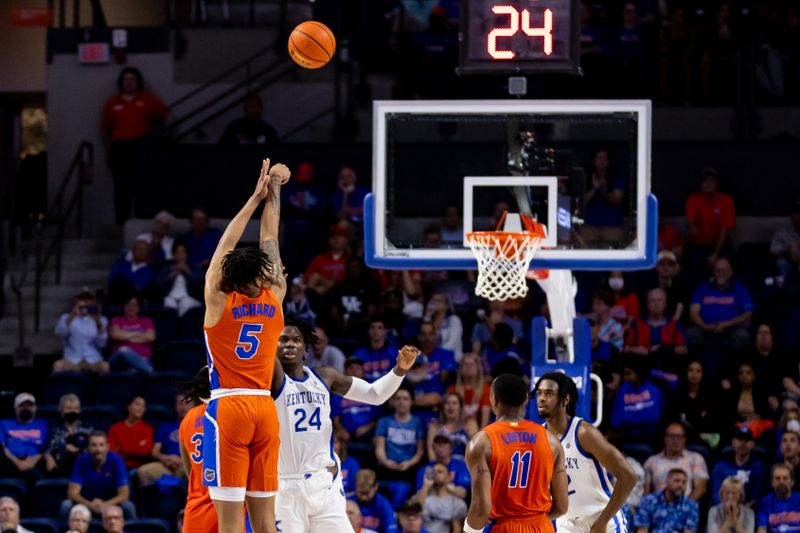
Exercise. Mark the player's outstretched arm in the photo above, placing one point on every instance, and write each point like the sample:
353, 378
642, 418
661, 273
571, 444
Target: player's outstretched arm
479, 449
270, 225
612, 460
376, 393
558, 483
231, 237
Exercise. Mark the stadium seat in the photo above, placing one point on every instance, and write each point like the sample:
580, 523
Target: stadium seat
13, 488
640, 452
155, 415
148, 525
187, 356
712, 355
166, 322
702, 449
96, 526
191, 323
61, 383
160, 388
40, 525
48, 495
100, 416
50, 414
116, 388
157, 501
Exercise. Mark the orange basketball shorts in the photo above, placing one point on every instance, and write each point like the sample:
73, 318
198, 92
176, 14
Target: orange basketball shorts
241, 438
522, 525
200, 517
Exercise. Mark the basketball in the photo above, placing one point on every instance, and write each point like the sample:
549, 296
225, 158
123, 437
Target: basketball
311, 44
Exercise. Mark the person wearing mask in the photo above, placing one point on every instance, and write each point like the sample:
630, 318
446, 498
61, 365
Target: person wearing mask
24, 438
626, 303
68, 440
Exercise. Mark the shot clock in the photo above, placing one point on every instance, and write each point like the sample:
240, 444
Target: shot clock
520, 36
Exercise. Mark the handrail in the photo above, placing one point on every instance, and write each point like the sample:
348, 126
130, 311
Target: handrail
222, 75
282, 72
81, 167
287, 69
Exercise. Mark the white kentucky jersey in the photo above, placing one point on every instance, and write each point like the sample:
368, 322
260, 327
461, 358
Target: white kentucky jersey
589, 485
304, 414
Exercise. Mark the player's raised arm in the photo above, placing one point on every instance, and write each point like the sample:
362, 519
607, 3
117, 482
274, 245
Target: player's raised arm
593, 442
479, 449
559, 482
214, 295
376, 393
270, 225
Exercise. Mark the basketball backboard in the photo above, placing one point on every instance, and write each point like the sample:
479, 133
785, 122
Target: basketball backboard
472, 158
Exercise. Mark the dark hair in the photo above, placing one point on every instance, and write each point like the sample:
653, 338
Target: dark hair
131, 70
244, 267
510, 390
84, 295
133, 397
503, 335
605, 296
678, 471
306, 330
377, 318
566, 386
638, 364
198, 388
97, 433
406, 387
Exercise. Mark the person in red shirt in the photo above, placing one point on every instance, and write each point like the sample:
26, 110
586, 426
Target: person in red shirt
328, 269
626, 303
128, 117
710, 217
132, 438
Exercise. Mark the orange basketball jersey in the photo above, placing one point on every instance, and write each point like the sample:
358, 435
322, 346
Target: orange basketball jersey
241, 346
199, 513
522, 466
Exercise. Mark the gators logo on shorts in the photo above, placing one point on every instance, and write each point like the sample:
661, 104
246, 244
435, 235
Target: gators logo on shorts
209, 475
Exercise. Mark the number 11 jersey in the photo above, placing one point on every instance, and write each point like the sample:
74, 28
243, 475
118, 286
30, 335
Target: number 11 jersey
304, 414
522, 467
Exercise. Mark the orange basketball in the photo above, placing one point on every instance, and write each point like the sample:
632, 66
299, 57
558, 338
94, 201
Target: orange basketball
311, 44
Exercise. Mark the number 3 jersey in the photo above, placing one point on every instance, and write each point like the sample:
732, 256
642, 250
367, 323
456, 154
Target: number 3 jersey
241, 347
522, 467
304, 413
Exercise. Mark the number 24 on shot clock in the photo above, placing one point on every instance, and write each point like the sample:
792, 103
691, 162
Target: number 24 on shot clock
520, 36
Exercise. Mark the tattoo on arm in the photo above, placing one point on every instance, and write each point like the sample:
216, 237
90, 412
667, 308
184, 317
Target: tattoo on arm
271, 248
275, 196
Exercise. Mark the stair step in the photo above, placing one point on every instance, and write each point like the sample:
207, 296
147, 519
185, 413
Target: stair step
87, 245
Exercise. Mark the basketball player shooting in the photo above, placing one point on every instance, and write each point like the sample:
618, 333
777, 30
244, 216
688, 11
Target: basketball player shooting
243, 292
517, 467
311, 499
594, 502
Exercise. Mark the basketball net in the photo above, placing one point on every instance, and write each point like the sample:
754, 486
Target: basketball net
504, 256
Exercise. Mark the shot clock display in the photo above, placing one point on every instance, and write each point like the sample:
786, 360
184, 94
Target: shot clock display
519, 36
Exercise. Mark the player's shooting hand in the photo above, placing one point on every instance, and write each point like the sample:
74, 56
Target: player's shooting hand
280, 172
406, 357
263, 181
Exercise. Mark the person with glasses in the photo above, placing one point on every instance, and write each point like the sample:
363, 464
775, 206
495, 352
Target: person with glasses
675, 455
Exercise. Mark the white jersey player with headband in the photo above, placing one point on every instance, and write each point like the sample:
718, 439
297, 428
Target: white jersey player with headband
310, 495
594, 501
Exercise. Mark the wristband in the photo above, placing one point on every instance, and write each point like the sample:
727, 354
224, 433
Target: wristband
470, 529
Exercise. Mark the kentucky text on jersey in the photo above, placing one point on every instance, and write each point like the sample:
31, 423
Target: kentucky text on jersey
518, 436
296, 398
254, 309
